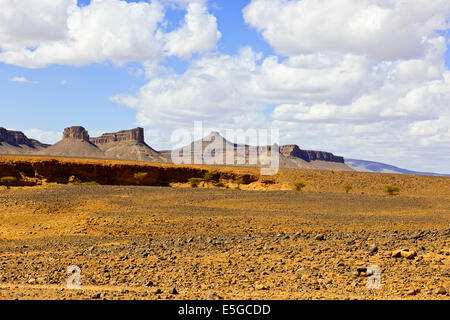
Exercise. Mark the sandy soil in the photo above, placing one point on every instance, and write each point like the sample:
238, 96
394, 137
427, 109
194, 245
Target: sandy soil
185, 243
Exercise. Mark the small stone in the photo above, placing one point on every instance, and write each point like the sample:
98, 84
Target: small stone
413, 292
441, 290
396, 253
157, 291
361, 269
408, 254
96, 296
260, 287
40, 280
373, 249
31, 281
174, 291
319, 237
150, 284
211, 295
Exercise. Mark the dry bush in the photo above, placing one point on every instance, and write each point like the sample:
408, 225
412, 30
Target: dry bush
140, 176
238, 182
391, 190
348, 188
8, 181
299, 185
211, 176
195, 182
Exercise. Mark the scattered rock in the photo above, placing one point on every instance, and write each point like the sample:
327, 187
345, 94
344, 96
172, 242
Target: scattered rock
361, 269
373, 249
396, 253
174, 291
211, 295
157, 291
261, 287
319, 237
441, 290
96, 296
412, 292
408, 254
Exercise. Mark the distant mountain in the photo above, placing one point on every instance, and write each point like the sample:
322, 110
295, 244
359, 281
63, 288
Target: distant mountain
75, 143
15, 142
371, 166
124, 145
291, 156
127, 145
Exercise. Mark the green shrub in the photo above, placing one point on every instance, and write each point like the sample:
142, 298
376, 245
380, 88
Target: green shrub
195, 182
90, 183
8, 181
239, 182
347, 188
391, 190
299, 185
211, 176
140, 177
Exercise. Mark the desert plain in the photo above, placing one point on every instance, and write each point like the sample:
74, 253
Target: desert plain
262, 240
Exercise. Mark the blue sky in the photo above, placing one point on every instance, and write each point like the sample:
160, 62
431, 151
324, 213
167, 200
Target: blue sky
84, 98
251, 61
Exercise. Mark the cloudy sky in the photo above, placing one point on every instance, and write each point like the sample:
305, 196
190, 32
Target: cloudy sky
366, 79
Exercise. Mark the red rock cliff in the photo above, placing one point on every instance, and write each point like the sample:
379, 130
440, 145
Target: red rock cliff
77, 133
18, 138
293, 150
136, 135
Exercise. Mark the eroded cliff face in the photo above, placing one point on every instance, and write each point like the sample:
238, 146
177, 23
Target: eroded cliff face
134, 135
291, 156
127, 145
17, 138
309, 155
31, 171
76, 133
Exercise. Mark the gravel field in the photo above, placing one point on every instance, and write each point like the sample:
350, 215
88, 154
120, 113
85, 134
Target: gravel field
135, 242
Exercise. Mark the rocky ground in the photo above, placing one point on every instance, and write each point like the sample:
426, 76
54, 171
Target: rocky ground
182, 243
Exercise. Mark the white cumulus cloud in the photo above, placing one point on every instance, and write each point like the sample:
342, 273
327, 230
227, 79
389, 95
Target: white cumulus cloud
21, 79
27, 23
198, 34
104, 30
382, 29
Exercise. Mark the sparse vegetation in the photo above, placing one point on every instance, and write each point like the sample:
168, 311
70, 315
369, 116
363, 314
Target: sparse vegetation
211, 176
89, 183
238, 182
8, 181
348, 188
299, 185
195, 182
140, 176
391, 190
